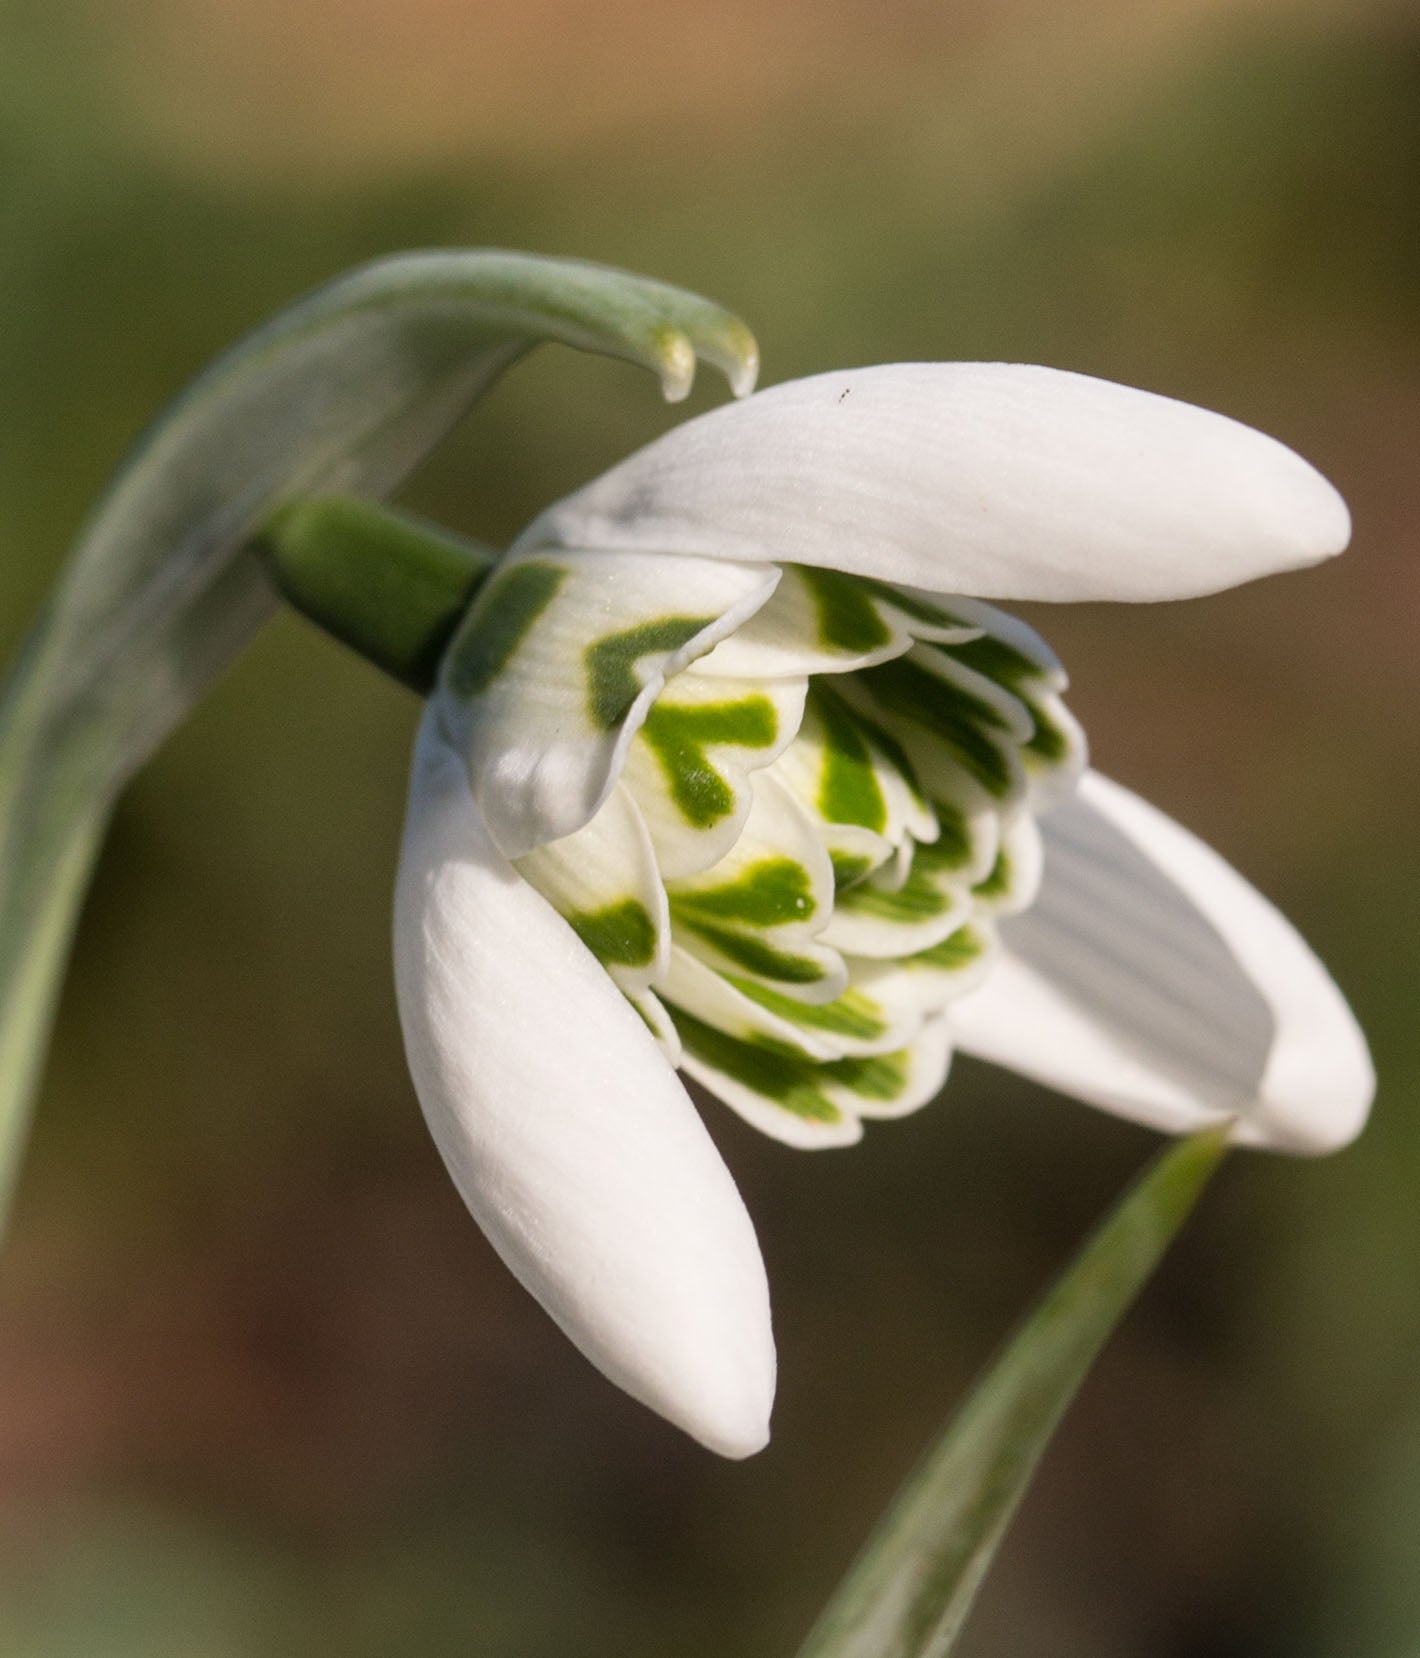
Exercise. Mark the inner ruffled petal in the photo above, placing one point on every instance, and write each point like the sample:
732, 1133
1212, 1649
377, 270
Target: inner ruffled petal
557, 663
689, 766
605, 881
835, 802
814, 1105
818, 622
760, 910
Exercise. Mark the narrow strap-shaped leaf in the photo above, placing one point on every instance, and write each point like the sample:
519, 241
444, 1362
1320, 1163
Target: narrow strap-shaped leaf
911, 1589
347, 391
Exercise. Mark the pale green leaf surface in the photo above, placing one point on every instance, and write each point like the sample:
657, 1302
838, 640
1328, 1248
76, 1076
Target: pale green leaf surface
910, 1591
346, 391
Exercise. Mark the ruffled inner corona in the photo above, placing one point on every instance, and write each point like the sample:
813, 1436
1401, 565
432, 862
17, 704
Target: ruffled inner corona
809, 837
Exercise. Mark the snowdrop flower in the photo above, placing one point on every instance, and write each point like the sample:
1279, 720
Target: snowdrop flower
734, 767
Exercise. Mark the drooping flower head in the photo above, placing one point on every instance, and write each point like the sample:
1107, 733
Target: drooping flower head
734, 767
799, 839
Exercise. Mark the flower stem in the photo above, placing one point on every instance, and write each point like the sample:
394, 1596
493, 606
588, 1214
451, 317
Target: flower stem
391, 586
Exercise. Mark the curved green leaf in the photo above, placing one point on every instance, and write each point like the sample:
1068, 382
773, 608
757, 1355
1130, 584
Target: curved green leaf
345, 392
908, 1594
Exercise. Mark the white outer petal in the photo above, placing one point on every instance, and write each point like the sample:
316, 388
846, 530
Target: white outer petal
1000, 480
569, 1137
1276, 1045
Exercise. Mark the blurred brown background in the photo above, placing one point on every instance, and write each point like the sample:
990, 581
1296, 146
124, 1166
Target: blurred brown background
263, 1388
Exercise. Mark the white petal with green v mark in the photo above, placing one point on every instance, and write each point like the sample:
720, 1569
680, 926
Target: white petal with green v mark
815, 1105
931, 978
1016, 657
1149, 978
856, 1023
688, 765
822, 622
968, 840
556, 664
1015, 877
882, 919
964, 817
863, 802
757, 913
714, 999
574, 1145
604, 882
975, 723
1021, 654
1002, 480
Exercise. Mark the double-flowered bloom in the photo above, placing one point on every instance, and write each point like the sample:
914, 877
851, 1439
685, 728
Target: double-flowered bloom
733, 767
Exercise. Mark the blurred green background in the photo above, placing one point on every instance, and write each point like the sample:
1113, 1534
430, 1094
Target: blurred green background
263, 1388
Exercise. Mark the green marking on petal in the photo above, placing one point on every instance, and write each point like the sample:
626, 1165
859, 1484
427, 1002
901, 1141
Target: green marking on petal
934, 858
612, 685
1049, 743
963, 723
896, 755
849, 790
999, 882
852, 1015
643, 1015
754, 955
953, 847
919, 898
956, 952
848, 620
769, 893
621, 934
679, 734
511, 601
773, 1073
848, 869
914, 606
997, 660
882, 1077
